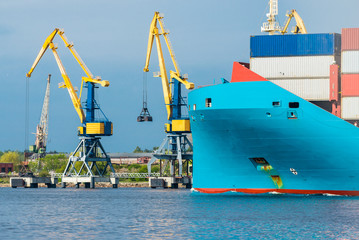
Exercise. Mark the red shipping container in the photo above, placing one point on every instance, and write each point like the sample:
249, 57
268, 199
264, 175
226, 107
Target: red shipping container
350, 39
350, 85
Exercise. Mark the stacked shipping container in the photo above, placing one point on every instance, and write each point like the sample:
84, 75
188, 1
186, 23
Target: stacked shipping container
350, 74
299, 63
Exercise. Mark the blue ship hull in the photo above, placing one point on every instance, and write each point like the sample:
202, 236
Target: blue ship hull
256, 137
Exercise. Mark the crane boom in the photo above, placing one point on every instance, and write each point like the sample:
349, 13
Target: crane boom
76, 100
155, 34
42, 51
70, 46
299, 28
300, 23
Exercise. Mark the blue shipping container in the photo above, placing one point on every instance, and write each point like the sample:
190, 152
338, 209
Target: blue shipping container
295, 45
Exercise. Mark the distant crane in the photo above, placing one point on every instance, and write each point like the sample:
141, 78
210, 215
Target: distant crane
299, 27
174, 145
39, 149
90, 150
272, 26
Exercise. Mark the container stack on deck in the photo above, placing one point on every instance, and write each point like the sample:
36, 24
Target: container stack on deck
299, 63
350, 74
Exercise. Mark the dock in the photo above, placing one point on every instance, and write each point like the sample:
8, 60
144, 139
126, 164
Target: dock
88, 181
33, 182
170, 182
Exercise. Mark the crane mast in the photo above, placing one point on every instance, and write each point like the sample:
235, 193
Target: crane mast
42, 127
39, 149
271, 26
178, 125
90, 150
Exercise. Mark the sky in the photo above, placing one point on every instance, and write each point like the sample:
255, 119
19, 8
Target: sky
111, 37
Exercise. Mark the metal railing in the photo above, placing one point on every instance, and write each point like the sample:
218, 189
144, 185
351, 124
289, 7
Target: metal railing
56, 175
12, 174
134, 175
60, 175
117, 175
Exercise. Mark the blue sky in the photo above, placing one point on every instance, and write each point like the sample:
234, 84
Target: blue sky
111, 37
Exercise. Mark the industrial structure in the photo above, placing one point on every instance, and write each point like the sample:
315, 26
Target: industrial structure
176, 144
90, 153
38, 150
273, 27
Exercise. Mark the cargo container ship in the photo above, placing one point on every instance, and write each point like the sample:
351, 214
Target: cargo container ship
288, 125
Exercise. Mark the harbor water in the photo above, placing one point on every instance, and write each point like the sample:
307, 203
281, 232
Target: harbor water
144, 213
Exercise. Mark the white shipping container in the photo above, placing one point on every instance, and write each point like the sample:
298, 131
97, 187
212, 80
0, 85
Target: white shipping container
350, 108
309, 89
292, 67
350, 61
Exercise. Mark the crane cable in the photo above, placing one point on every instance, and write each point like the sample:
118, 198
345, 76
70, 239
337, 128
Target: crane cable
144, 91
26, 117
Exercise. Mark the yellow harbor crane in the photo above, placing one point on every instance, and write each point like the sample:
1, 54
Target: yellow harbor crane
88, 152
178, 125
272, 26
299, 27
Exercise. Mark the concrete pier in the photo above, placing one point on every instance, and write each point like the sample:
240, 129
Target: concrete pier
89, 182
170, 182
32, 182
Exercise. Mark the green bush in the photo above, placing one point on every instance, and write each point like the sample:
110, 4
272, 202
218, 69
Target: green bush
134, 166
143, 169
4, 180
155, 169
12, 157
44, 173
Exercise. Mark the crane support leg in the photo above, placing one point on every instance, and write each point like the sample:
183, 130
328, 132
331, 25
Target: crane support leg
179, 156
173, 148
88, 159
153, 159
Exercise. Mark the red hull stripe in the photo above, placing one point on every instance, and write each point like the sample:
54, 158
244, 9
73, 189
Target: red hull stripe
267, 190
